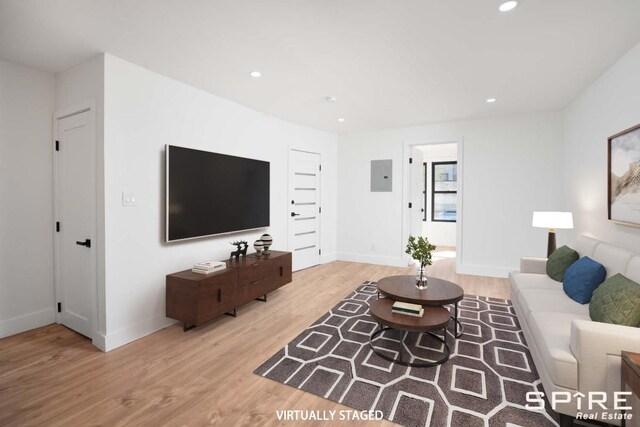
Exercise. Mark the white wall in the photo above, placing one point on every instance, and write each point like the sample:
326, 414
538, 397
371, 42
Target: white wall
77, 88
143, 112
439, 233
511, 167
26, 194
610, 105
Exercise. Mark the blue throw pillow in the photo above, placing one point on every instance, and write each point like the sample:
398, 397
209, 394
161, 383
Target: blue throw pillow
582, 278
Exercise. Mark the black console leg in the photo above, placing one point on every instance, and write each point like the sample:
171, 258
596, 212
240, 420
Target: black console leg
186, 327
231, 313
263, 299
566, 420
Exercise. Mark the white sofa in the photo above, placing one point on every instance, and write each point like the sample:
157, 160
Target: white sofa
571, 352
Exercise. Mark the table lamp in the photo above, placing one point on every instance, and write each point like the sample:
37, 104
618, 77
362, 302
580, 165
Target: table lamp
552, 221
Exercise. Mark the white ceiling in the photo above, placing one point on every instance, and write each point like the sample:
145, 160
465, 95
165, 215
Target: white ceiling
390, 63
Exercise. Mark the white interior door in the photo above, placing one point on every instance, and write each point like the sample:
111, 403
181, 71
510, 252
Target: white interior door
304, 208
75, 216
417, 192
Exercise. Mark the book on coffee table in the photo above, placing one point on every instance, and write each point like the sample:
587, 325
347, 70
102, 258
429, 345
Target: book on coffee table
407, 308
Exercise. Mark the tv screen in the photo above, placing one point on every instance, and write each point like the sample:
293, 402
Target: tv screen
210, 193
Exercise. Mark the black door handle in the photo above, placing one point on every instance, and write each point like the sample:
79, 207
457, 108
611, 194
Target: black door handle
87, 243
295, 214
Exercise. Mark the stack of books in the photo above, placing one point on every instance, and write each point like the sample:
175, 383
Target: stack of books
208, 267
407, 308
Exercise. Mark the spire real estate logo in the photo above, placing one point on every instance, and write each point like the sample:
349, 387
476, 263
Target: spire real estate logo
595, 405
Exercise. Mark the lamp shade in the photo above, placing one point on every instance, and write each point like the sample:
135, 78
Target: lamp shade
552, 220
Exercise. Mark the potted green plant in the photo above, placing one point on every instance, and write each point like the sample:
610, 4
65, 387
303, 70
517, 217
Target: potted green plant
420, 249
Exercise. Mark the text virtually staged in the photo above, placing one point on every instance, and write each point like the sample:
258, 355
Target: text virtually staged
331, 415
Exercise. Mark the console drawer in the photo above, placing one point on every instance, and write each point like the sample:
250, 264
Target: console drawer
259, 270
253, 290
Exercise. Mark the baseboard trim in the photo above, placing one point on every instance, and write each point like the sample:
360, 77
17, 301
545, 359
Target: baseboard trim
100, 341
482, 270
471, 269
330, 257
131, 333
27, 322
371, 259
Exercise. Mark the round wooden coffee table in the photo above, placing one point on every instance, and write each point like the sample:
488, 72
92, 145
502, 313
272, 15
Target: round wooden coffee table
439, 293
434, 319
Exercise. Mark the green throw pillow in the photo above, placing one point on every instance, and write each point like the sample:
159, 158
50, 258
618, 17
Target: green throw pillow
617, 301
559, 261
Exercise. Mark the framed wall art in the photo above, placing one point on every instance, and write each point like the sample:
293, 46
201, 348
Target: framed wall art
624, 177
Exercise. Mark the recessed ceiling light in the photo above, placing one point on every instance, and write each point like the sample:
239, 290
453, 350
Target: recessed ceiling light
491, 100
255, 74
506, 6
341, 120
331, 99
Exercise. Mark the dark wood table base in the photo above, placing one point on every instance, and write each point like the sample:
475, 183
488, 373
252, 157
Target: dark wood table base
433, 319
439, 293
445, 354
457, 325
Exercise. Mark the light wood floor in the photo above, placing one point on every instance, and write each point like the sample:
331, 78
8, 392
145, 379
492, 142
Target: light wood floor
53, 376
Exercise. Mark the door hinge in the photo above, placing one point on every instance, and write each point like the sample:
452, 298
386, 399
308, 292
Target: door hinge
57, 145
319, 251
319, 209
319, 167
59, 307
410, 205
57, 226
410, 160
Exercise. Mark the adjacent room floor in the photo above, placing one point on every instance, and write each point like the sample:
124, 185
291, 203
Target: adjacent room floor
53, 376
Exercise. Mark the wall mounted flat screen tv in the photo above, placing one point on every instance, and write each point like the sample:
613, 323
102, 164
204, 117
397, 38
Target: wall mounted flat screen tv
211, 193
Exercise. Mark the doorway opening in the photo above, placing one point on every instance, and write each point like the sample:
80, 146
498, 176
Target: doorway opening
434, 194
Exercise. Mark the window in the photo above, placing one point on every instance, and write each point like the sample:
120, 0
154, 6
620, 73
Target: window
444, 191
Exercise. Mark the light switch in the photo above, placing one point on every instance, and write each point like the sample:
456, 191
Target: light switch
128, 199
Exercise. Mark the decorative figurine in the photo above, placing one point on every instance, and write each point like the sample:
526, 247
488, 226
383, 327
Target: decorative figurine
267, 240
241, 249
258, 245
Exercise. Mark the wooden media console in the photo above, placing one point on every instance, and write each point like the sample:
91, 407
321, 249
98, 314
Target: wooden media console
195, 299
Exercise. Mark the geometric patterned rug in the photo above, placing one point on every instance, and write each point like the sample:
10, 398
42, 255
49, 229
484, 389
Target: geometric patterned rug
482, 384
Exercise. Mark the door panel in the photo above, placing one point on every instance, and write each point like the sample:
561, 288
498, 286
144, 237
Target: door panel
227, 292
302, 181
306, 239
305, 196
208, 304
304, 215
303, 226
306, 211
75, 210
306, 163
